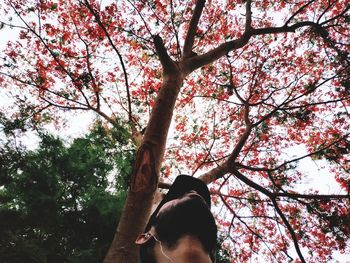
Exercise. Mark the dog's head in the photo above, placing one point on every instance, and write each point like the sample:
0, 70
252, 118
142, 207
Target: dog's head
184, 211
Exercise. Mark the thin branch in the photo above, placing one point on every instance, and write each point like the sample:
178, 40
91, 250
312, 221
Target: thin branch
298, 11
28, 28
284, 29
208, 150
66, 107
280, 166
311, 196
337, 16
266, 192
244, 136
87, 57
247, 226
176, 33
290, 229
315, 104
232, 85
99, 22
53, 55
227, 165
283, 239
325, 10
84, 106
214, 192
218, 99
141, 17
240, 219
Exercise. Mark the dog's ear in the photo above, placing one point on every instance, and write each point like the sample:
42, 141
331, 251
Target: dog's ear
143, 238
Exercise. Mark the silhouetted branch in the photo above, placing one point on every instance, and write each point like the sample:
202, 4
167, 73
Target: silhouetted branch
167, 63
102, 26
280, 166
191, 33
290, 230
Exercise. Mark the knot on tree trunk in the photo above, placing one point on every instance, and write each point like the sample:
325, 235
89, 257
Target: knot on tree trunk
144, 178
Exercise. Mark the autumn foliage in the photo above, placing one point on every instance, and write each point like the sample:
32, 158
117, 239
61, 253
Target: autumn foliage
253, 88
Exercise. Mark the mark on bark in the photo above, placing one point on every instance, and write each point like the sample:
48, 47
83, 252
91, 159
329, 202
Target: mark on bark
144, 178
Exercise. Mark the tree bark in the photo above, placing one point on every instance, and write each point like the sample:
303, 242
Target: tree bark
145, 176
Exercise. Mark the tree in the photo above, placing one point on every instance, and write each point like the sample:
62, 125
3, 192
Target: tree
55, 202
248, 81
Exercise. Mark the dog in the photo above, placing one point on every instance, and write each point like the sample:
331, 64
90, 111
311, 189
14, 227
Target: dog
182, 228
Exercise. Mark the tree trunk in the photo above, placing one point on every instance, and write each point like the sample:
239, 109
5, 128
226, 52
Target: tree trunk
145, 176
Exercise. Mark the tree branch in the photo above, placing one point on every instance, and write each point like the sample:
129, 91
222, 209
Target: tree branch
176, 33
280, 166
191, 33
248, 15
99, 22
311, 196
198, 61
167, 63
283, 29
95, 88
272, 196
290, 230
226, 166
299, 11
26, 82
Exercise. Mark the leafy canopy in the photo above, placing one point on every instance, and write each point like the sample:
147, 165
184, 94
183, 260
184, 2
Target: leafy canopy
262, 86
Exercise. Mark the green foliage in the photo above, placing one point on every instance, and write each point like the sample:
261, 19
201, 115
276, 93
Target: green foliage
56, 202
221, 255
